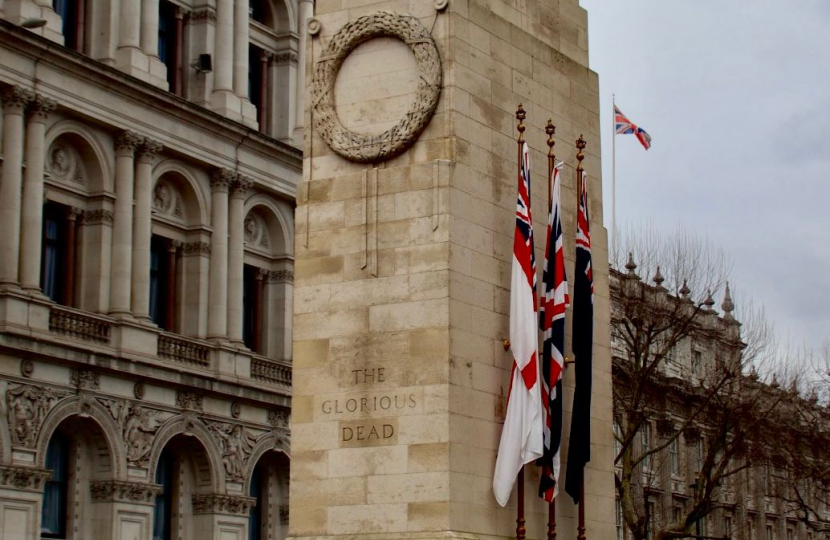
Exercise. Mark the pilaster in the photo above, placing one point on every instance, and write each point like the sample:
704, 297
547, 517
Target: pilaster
218, 313
142, 227
32, 224
126, 143
236, 253
15, 101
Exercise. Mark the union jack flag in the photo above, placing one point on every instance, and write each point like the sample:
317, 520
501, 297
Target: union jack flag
582, 340
523, 239
554, 299
624, 126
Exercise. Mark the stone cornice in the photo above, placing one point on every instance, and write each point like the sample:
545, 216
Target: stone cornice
121, 491
109, 79
222, 504
23, 478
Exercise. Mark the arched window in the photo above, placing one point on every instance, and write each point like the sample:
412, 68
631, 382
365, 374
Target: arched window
162, 518
56, 491
255, 519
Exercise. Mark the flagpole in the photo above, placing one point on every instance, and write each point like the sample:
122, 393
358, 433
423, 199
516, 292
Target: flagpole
613, 179
520, 506
580, 145
550, 129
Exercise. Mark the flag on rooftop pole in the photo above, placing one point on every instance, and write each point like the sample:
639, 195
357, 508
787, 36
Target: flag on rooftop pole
521, 436
579, 445
624, 126
553, 301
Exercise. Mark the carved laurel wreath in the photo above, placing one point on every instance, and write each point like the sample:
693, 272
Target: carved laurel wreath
373, 148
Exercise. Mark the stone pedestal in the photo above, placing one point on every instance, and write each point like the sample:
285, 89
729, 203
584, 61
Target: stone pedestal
402, 271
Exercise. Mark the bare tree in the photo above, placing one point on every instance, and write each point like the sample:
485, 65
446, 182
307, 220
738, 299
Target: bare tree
680, 374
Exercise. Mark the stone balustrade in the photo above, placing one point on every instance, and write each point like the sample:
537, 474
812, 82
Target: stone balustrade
272, 372
185, 350
79, 325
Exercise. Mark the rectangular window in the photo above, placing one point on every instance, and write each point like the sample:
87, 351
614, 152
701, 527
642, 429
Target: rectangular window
617, 437
53, 524
54, 251
250, 307
674, 458
676, 514
652, 520
256, 78
645, 435
769, 532
168, 41
619, 520
72, 22
790, 533
727, 526
697, 361
699, 454
162, 282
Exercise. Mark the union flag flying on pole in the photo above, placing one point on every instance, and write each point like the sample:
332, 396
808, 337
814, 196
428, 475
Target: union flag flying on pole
521, 436
579, 446
624, 126
552, 304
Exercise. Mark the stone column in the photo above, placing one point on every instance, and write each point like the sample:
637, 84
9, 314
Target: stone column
223, 53
129, 57
218, 296
32, 224
71, 256
236, 253
122, 229
285, 73
150, 27
15, 102
130, 20
240, 48
142, 228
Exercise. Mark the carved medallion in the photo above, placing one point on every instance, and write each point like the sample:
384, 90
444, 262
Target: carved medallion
371, 148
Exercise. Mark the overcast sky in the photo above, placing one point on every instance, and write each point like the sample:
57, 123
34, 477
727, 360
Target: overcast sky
736, 97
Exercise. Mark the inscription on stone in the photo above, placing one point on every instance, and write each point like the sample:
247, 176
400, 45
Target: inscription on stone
365, 416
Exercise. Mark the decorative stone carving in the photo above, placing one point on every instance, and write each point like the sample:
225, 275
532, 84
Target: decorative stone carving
200, 16
63, 163
241, 185
41, 106
97, 217
196, 248
278, 276
27, 407
314, 26
256, 231
27, 367
121, 491
236, 444
370, 148
286, 57
139, 390
25, 478
284, 514
167, 201
85, 379
115, 408
222, 504
279, 418
16, 99
140, 426
128, 141
222, 179
148, 149
189, 400
236, 409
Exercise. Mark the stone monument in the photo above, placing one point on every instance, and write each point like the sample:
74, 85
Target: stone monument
404, 237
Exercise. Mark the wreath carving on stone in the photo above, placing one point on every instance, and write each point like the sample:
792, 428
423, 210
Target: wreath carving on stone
372, 148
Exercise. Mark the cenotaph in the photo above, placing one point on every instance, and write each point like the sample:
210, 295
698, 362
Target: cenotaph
404, 239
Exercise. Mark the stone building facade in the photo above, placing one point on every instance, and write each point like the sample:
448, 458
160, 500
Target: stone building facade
755, 503
149, 165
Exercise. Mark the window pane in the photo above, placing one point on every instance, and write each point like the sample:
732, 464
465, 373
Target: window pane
164, 502
55, 491
255, 518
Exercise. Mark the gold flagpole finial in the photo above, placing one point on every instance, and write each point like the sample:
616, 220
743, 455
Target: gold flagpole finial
550, 129
580, 146
520, 116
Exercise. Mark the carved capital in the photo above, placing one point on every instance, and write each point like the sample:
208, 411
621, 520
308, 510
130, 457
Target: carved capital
73, 212
148, 149
222, 179
122, 491
200, 16
222, 504
286, 57
24, 478
127, 141
40, 107
16, 99
97, 217
241, 185
281, 276
196, 248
